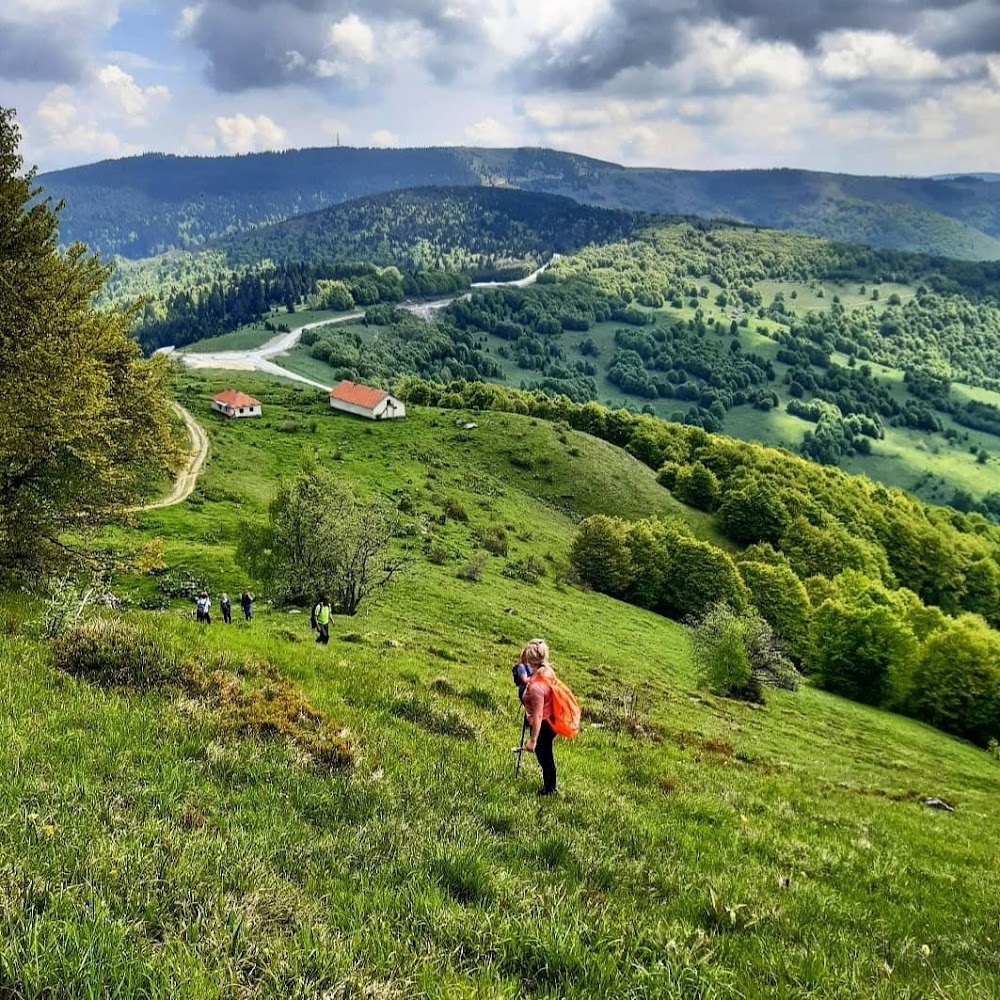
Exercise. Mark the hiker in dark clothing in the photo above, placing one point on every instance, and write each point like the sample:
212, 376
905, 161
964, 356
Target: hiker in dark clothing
226, 606
246, 602
321, 620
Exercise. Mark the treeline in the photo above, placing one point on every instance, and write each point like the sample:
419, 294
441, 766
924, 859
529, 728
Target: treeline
488, 233
816, 521
191, 314
405, 345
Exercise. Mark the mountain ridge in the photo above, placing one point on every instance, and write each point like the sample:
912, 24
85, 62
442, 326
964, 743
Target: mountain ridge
139, 206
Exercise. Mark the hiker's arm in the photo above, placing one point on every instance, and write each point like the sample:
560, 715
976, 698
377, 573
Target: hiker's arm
534, 702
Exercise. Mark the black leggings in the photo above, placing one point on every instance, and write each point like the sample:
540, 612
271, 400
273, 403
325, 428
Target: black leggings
543, 751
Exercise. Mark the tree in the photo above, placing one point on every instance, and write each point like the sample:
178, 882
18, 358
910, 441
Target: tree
320, 538
83, 414
861, 646
600, 556
737, 655
956, 681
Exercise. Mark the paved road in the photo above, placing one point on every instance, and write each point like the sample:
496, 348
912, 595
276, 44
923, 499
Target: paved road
259, 359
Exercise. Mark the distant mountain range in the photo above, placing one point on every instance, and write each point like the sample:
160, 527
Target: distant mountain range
140, 206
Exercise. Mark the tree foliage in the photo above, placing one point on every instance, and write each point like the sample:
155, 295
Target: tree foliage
84, 417
320, 538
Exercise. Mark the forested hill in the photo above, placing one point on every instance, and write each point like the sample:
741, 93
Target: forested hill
483, 231
143, 205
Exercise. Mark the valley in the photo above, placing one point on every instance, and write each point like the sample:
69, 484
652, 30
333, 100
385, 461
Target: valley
740, 478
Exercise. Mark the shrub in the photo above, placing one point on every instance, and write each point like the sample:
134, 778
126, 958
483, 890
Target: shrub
473, 569
453, 508
128, 650
494, 540
738, 656
437, 553
528, 570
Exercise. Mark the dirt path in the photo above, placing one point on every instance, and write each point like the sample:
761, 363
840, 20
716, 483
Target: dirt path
186, 481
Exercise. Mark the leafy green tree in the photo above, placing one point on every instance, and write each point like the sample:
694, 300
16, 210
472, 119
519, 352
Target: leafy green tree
697, 486
737, 656
956, 681
781, 598
600, 556
320, 538
754, 512
698, 575
858, 646
84, 417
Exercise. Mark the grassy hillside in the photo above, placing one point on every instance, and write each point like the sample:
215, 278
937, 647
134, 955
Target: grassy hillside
144, 205
697, 847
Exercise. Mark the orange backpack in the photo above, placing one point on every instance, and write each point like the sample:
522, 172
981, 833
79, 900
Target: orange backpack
565, 718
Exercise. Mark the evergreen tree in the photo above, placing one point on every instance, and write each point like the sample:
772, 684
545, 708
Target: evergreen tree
83, 415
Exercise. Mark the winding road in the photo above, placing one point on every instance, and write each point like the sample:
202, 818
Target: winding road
259, 359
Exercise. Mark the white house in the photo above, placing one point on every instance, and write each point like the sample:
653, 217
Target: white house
364, 401
233, 403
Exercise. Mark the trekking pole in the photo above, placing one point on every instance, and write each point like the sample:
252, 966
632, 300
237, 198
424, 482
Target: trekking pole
518, 752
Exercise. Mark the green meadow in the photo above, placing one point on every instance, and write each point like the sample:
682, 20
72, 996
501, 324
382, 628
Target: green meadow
697, 847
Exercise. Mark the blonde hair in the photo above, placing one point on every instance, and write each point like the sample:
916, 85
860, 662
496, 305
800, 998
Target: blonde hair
536, 654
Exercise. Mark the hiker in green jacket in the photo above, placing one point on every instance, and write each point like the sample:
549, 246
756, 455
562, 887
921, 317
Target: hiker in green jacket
321, 620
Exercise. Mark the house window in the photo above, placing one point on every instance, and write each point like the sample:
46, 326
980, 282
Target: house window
241, 409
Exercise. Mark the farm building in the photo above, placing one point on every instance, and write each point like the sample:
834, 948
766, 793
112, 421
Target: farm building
364, 401
233, 403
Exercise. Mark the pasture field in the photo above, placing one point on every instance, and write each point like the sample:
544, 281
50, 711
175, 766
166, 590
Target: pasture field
697, 848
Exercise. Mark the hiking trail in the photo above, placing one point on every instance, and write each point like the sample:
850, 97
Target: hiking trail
188, 477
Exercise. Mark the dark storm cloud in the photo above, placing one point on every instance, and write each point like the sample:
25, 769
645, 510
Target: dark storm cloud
37, 53
638, 34
255, 43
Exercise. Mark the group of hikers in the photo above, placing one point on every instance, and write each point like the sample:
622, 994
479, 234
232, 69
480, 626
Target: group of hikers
203, 607
550, 709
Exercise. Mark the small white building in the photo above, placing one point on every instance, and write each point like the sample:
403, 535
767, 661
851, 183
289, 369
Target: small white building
364, 401
233, 403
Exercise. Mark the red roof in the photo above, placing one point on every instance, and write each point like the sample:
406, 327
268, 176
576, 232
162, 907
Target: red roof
359, 395
233, 397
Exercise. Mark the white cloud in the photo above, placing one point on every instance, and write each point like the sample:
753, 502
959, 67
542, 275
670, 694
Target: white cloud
352, 39
847, 56
68, 128
188, 20
127, 98
490, 132
383, 137
240, 133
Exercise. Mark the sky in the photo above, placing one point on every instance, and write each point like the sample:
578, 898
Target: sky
909, 87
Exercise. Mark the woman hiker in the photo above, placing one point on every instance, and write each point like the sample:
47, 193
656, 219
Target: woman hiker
537, 701
226, 606
246, 602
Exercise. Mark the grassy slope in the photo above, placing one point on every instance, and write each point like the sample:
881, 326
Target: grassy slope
144, 854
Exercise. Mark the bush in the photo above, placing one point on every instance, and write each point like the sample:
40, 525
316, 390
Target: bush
529, 570
453, 508
118, 651
437, 553
473, 569
737, 655
494, 540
